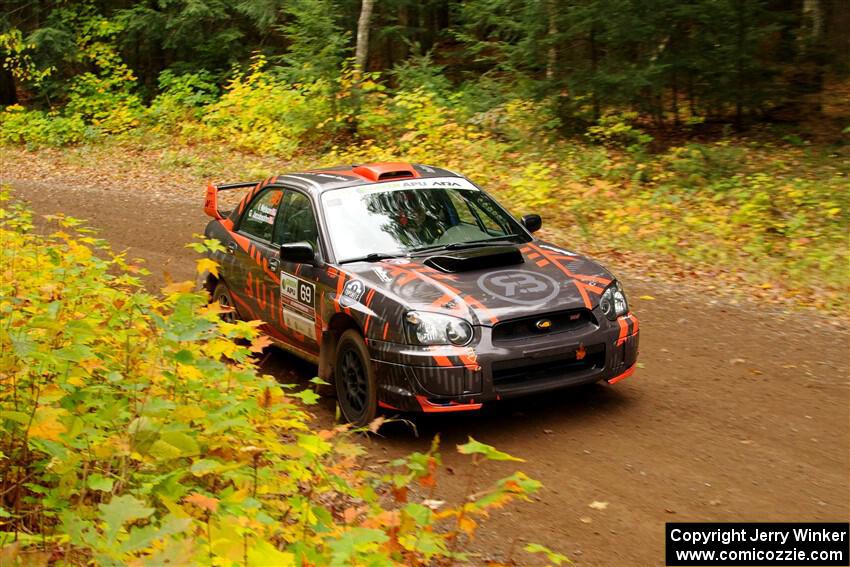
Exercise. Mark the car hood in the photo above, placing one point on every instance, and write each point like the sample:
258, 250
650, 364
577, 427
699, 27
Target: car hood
545, 279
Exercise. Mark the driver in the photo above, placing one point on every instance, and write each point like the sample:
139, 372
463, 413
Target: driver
418, 221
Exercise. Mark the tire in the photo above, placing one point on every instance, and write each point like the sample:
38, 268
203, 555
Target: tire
223, 297
354, 377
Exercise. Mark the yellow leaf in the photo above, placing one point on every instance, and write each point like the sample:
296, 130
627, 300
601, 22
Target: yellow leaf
188, 413
203, 502
178, 287
46, 424
260, 343
467, 525
76, 381
189, 372
208, 265
221, 347
215, 308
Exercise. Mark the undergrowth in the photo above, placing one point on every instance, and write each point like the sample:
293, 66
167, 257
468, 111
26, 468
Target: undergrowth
135, 429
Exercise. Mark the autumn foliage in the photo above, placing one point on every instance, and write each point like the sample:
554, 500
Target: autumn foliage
135, 429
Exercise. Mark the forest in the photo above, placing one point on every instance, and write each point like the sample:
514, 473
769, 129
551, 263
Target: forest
671, 62
696, 141
732, 112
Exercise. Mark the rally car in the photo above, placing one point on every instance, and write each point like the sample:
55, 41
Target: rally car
414, 290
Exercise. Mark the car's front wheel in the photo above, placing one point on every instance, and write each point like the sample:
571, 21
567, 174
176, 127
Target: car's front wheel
224, 298
355, 379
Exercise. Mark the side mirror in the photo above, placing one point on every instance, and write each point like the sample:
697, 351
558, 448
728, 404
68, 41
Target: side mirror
298, 253
532, 223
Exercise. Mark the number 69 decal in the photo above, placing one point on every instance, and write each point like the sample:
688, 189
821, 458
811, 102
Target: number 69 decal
305, 293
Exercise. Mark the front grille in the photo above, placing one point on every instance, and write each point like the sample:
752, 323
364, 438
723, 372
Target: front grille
560, 322
558, 368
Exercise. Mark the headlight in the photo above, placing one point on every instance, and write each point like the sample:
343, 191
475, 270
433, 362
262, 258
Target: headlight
613, 302
435, 329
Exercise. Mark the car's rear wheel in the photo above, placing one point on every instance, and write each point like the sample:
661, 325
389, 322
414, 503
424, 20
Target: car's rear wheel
224, 298
354, 376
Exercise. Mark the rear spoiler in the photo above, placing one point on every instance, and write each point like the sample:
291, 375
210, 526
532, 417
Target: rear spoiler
211, 201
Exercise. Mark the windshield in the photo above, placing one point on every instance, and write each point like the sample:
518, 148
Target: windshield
394, 218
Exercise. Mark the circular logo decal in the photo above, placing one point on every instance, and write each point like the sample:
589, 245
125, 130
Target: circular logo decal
351, 293
519, 286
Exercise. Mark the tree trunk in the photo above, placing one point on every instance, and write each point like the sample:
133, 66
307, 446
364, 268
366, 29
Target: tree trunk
8, 92
552, 35
404, 23
594, 63
674, 87
813, 19
361, 54
810, 75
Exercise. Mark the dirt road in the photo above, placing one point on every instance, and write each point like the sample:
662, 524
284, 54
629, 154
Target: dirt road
737, 414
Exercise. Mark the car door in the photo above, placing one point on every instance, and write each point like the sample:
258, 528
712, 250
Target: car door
299, 283
254, 281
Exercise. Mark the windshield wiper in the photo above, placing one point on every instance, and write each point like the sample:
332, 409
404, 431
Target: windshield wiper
476, 243
498, 241
373, 257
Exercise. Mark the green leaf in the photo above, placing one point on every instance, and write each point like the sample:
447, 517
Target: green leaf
74, 353
354, 540
141, 538
420, 514
186, 444
309, 397
204, 466
552, 556
313, 444
184, 356
17, 416
473, 447
119, 511
100, 482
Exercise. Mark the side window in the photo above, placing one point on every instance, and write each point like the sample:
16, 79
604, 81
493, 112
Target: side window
474, 209
296, 222
259, 219
489, 217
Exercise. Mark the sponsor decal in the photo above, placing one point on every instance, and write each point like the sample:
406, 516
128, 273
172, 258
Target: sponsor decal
396, 261
298, 304
522, 287
382, 275
263, 213
351, 293
299, 323
288, 286
433, 183
332, 176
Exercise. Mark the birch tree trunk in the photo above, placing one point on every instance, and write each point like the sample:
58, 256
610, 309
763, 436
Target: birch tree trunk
361, 54
552, 53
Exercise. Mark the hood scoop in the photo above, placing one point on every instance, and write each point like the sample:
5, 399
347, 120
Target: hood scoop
481, 258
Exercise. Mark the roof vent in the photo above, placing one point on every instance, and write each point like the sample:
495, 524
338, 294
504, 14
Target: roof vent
386, 171
394, 175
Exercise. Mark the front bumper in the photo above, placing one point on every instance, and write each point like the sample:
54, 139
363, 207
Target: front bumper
448, 378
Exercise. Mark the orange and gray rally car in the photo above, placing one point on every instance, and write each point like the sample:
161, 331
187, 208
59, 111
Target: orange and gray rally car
414, 290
